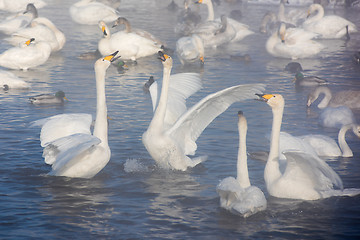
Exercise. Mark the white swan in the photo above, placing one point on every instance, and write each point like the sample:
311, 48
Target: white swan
292, 43
190, 49
326, 146
336, 117
19, 5
130, 45
306, 176
42, 29
14, 22
241, 30
172, 132
8, 80
327, 26
349, 98
91, 12
69, 146
28, 56
308, 81
237, 195
57, 98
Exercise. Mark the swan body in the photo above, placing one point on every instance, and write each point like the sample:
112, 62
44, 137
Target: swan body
173, 131
130, 45
11, 81
29, 56
19, 5
237, 195
42, 29
69, 146
336, 117
15, 22
327, 26
308, 81
349, 98
292, 43
306, 176
57, 98
190, 49
90, 12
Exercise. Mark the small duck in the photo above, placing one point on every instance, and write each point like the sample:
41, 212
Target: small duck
148, 84
309, 81
246, 58
58, 98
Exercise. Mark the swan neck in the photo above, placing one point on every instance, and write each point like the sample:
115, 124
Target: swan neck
272, 170
327, 97
242, 167
101, 126
211, 16
127, 26
159, 115
345, 149
281, 13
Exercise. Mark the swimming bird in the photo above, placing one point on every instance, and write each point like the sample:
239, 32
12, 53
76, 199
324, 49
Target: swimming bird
190, 49
131, 46
349, 98
42, 29
15, 22
187, 20
238, 195
308, 81
292, 43
8, 80
173, 130
31, 54
306, 176
19, 5
330, 26
69, 146
90, 12
336, 117
293, 67
57, 98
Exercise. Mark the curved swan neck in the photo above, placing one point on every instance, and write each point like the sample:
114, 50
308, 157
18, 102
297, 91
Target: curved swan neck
272, 171
242, 167
211, 15
101, 126
127, 26
159, 115
326, 91
319, 15
281, 13
345, 149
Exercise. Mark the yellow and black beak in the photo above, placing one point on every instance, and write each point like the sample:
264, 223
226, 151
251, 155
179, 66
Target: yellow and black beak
103, 29
111, 57
163, 56
264, 97
29, 41
199, 1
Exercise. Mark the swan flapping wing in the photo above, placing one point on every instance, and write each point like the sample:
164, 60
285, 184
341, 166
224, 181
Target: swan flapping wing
62, 125
181, 86
191, 124
68, 149
319, 172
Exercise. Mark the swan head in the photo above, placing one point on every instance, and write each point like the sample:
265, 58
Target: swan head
30, 8
273, 100
282, 32
166, 59
102, 26
119, 21
28, 42
315, 95
107, 60
313, 8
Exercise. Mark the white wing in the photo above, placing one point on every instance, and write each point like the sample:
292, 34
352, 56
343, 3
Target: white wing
181, 86
63, 125
190, 125
318, 171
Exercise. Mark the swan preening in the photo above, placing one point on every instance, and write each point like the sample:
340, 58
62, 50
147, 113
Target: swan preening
237, 195
173, 131
131, 46
327, 26
42, 29
90, 12
190, 49
292, 43
31, 54
57, 98
306, 176
8, 80
69, 146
